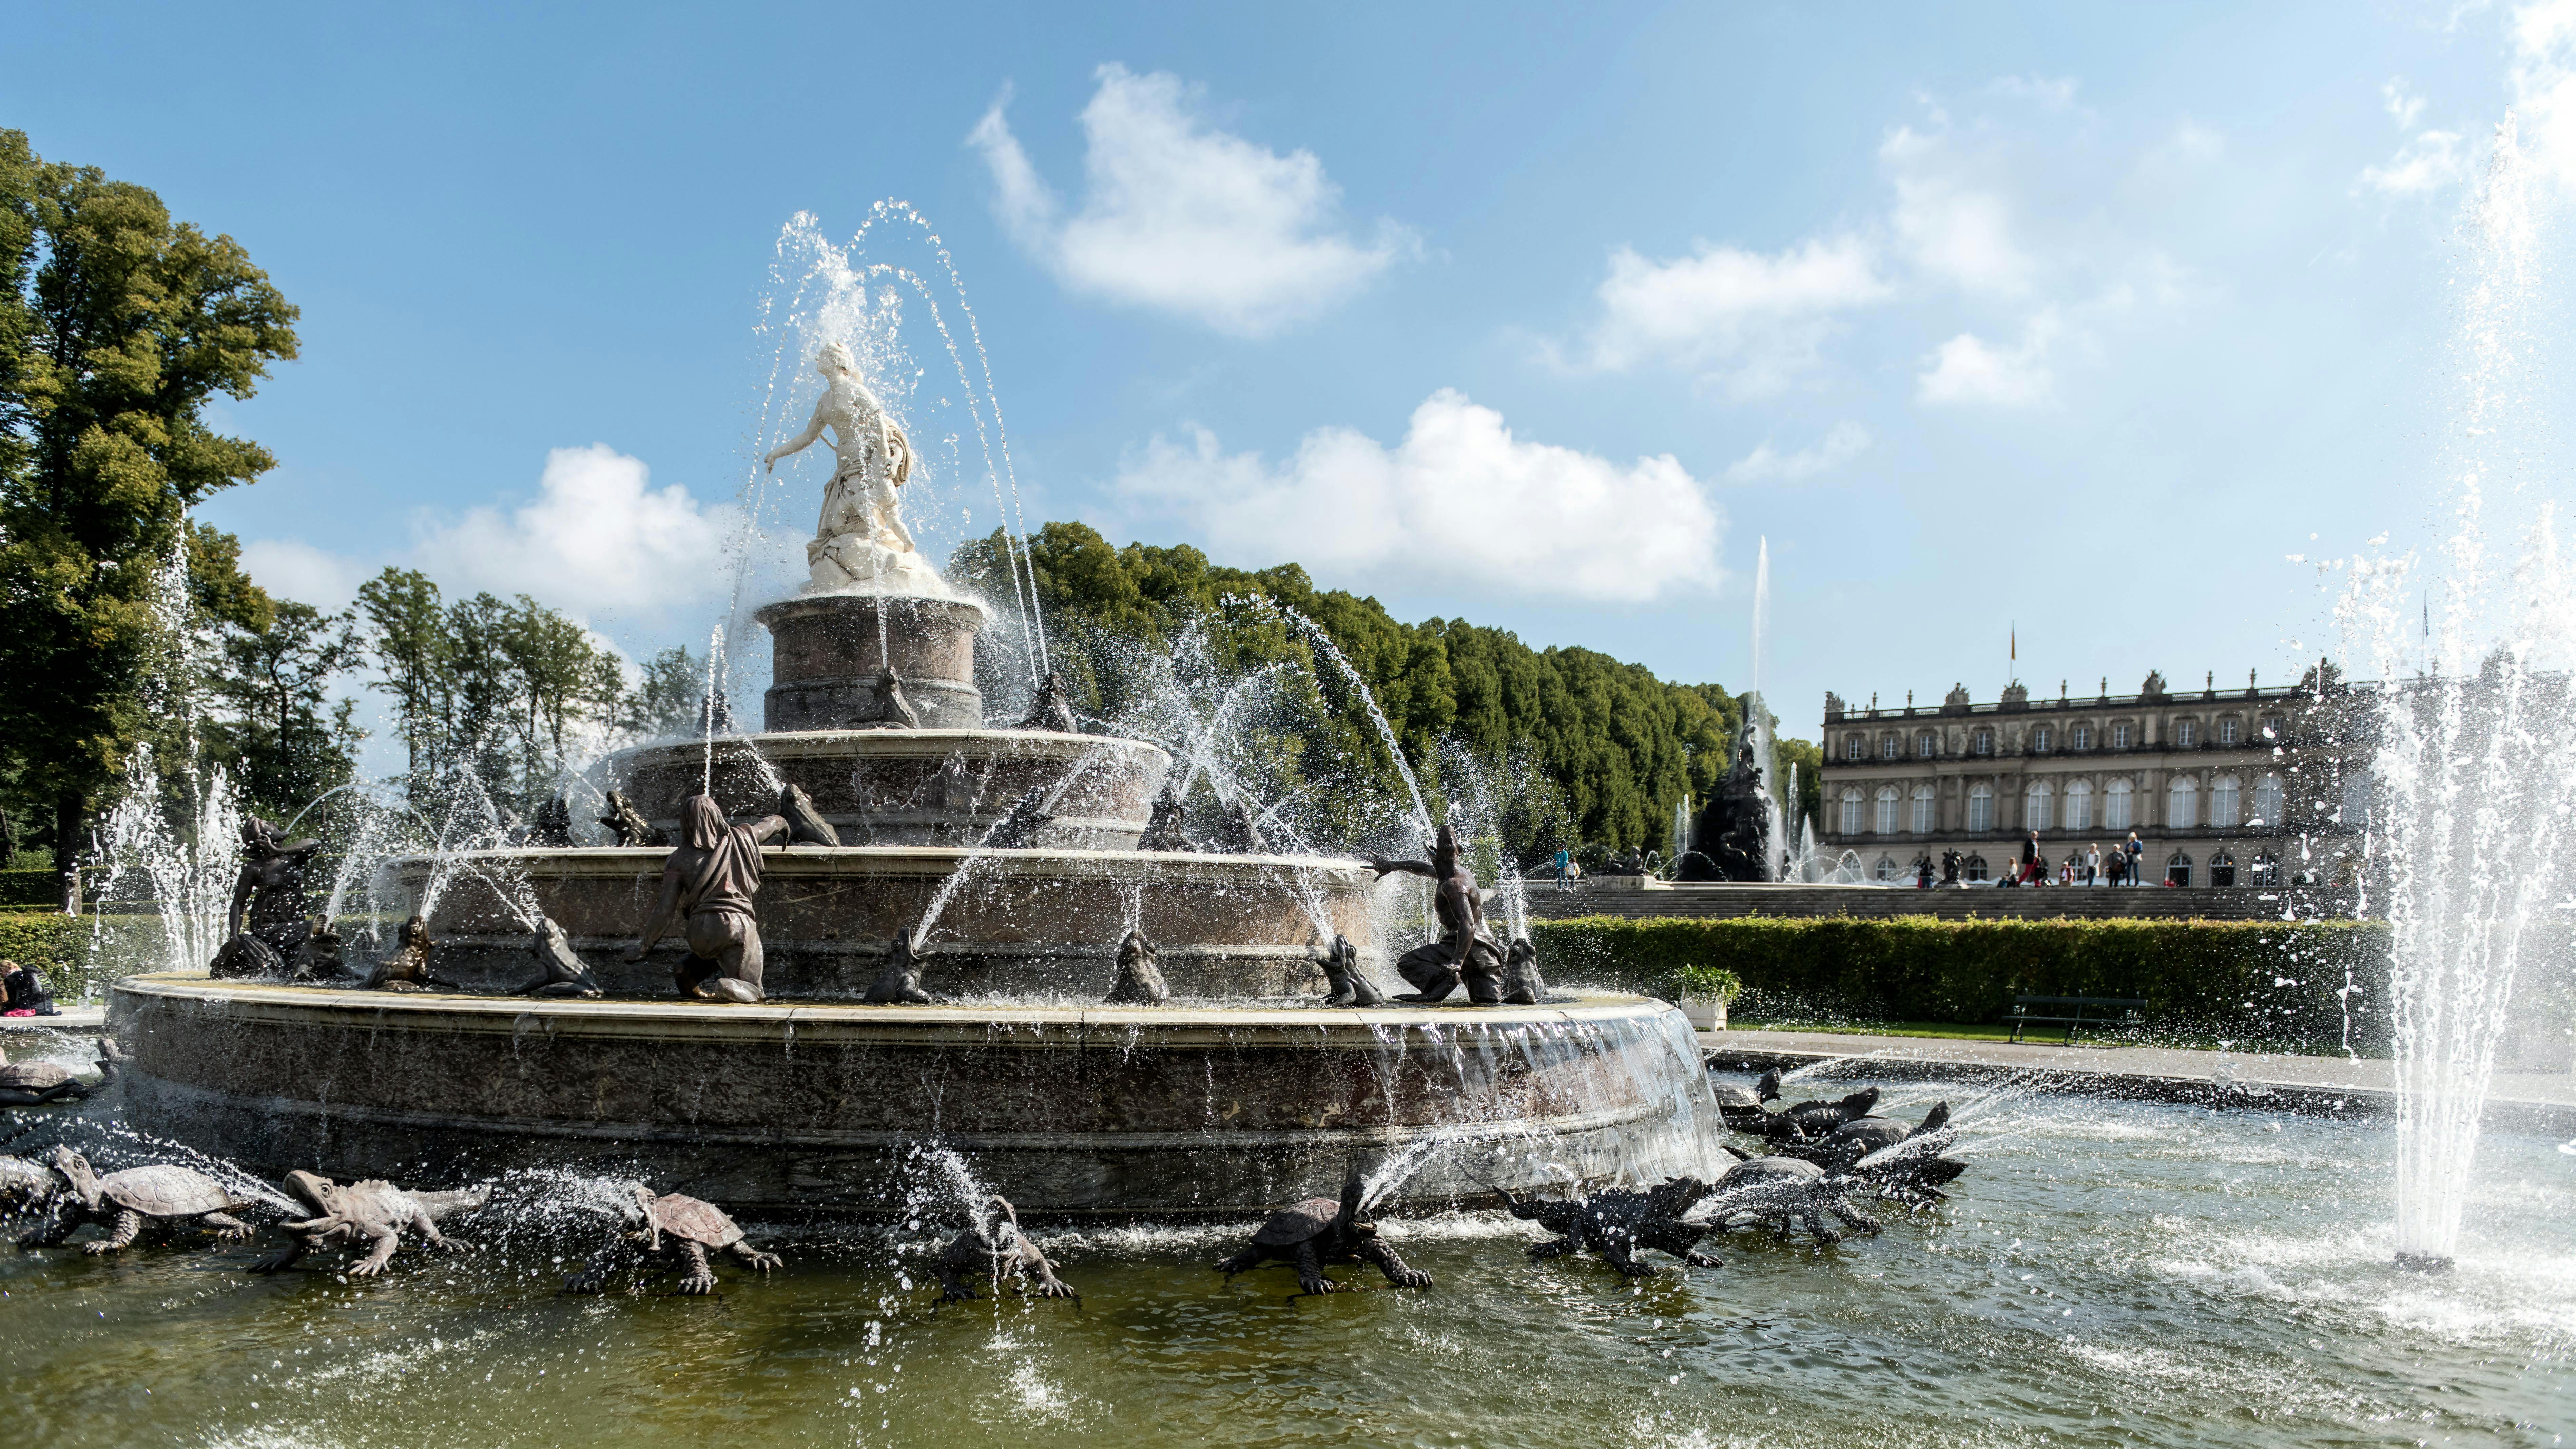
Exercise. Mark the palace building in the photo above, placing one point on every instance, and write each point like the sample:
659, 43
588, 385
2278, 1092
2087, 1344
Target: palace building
2235, 787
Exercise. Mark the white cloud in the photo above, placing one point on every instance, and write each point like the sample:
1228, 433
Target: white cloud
1847, 440
1969, 369
1460, 505
1182, 217
2428, 161
2404, 106
1955, 224
1755, 321
289, 568
2544, 85
2055, 95
597, 539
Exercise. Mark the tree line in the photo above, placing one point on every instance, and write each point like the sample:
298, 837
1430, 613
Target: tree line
1600, 750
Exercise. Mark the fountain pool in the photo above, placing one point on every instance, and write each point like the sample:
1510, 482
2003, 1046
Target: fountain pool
2110, 1273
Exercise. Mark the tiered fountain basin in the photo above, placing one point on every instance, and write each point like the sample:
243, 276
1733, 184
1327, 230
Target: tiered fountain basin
1044, 922
1171, 1111
912, 787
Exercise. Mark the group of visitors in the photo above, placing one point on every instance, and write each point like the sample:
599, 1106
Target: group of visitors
2089, 867
25, 993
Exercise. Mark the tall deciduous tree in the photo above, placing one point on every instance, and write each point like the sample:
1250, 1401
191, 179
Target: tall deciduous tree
285, 738
117, 326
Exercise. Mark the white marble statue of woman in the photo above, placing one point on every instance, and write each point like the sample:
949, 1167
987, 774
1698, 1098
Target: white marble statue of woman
861, 542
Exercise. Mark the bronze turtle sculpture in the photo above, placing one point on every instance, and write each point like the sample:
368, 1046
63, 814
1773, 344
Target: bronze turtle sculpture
1785, 1193
994, 1249
1319, 1231
29, 1084
692, 1227
1140, 981
124, 1202
373, 1210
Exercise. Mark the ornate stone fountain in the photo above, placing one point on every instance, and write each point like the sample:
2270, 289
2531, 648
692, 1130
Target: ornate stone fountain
1239, 1093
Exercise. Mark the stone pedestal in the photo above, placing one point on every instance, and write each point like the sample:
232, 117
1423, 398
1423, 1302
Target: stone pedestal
827, 651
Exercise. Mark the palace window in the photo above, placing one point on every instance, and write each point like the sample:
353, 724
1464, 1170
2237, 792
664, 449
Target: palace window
1851, 810
1855, 748
2178, 869
1981, 806
1975, 868
2273, 728
1886, 822
2080, 737
2182, 803
1886, 868
1922, 809
1981, 741
2034, 806
2266, 869
2356, 796
2229, 732
2267, 800
1887, 747
2115, 806
2041, 737
1926, 744
2222, 869
2122, 735
2186, 733
2079, 804
2222, 808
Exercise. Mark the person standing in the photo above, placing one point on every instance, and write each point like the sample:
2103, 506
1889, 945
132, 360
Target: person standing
2030, 860
2092, 863
1923, 871
1564, 882
2132, 849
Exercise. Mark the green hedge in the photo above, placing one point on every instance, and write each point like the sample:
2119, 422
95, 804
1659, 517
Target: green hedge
30, 888
2258, 980
79, 955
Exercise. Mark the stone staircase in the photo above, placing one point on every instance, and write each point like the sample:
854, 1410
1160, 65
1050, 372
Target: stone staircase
1624, 897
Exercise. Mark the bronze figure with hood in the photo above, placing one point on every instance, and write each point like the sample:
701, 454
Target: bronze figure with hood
707, 884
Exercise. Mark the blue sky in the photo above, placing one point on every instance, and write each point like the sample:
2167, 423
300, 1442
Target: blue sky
2074, 321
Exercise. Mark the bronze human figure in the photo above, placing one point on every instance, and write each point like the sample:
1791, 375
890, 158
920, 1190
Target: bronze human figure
268, 904
707, 886
552, 829
1163, 827
1052, 709
1464, 951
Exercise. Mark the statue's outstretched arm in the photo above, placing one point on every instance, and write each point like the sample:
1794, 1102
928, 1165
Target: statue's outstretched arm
1385, 867
799, 443
767, 828
662, 909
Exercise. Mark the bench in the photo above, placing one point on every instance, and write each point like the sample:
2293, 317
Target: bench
2077, 1011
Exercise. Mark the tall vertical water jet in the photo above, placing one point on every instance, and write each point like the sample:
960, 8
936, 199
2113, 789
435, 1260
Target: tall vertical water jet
1758, 715
2473, 757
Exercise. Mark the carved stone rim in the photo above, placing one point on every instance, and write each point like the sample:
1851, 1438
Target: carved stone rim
1176, 866
920, 743
1063, 1028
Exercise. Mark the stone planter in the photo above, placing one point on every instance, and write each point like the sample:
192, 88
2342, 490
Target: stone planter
1706, 1013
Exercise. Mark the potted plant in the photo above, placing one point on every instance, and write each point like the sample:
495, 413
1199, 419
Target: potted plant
1706, 990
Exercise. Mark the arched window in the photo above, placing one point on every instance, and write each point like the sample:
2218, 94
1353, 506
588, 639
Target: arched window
2123, 734
1886, 822
2186, 733
1855, 748
2079, 804
2222, 808
2222, 869
1923, 809
1981, 741
1887, 746
2230, 731
2116, 814
2034, 806
1851, 809
1926, 744
2267, 800
2266, 869
2041, 737
1886, 868
1981, 806
2080, 737
2178, 869
1975, 867
2182, 802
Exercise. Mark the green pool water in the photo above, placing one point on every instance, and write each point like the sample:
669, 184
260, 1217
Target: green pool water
2109, 1273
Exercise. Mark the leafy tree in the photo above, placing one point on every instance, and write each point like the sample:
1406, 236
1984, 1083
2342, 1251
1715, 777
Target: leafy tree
287, 740
117, 326
408, 640
670, 697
